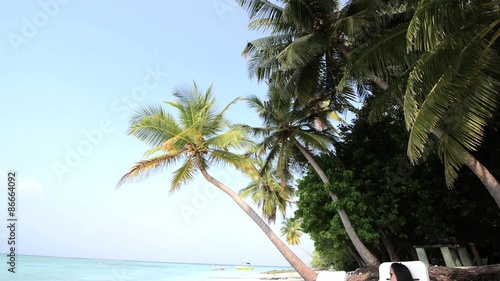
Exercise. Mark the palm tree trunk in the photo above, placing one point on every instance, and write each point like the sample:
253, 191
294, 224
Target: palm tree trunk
488, 180
363, 251
304, 271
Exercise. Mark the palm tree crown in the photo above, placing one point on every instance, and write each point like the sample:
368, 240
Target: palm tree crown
286, 126
266, 191
197, 135
292, 231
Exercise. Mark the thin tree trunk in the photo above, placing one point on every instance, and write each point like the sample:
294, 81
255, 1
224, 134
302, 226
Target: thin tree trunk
357, 257
304, 271
365, 254
305, 251
389, 246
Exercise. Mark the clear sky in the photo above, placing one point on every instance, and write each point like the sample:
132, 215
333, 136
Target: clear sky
72, 73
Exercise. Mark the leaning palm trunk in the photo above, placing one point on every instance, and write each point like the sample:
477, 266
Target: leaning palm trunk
295, 262
488, 180
365, 254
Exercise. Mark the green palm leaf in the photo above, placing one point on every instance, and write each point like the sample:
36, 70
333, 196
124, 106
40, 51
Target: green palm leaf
148, 167
153, 126
183, 175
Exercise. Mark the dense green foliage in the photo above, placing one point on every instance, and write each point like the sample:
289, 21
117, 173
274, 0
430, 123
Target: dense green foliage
319, 262
393, 204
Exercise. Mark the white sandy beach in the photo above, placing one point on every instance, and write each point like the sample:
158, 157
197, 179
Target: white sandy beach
292, 276
280, 276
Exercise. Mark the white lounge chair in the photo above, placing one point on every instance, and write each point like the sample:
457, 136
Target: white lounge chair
418, 269
332, 276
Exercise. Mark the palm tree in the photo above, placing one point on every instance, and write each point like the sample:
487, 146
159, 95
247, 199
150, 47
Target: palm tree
200, 136
293, 231
301, 52
445, 61
310, 41
289, 138
266, 191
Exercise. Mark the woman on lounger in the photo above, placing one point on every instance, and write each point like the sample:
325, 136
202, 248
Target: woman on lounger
399, 272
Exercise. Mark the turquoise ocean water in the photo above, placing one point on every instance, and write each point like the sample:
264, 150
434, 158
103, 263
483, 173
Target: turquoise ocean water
36, 268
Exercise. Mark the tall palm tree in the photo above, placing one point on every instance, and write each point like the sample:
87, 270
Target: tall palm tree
301, 52
444, 60
289, 139
292, 230
310, 41
199, 137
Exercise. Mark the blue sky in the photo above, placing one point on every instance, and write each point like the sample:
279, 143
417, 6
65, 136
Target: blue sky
72, 74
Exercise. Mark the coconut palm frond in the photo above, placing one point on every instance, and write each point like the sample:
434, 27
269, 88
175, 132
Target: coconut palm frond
148, 167
153, 126
185, 174
261, 8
